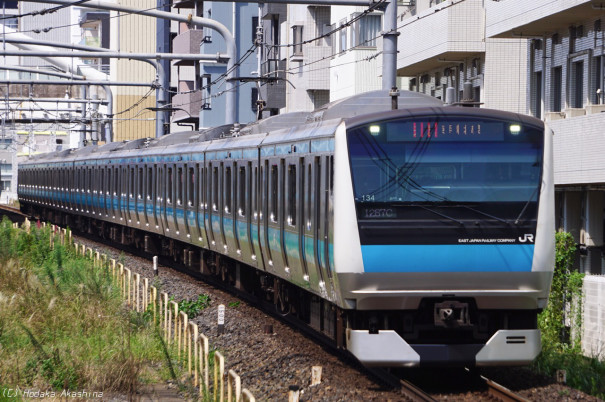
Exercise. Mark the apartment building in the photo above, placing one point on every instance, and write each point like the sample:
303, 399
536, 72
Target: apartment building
241, 19
443, 44
565, 72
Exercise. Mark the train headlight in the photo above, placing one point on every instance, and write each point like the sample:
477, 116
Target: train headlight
374, 129
515, 129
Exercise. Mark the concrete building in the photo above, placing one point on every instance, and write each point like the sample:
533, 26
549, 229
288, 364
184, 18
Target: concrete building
135, 34
443, 44
356, 65
565, 71
241, 19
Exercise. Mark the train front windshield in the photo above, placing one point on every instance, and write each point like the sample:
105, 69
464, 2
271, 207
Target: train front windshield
492, 165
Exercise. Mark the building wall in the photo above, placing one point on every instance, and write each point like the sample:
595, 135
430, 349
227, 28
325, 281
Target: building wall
136, 34
238, 18
505, 83
307, 64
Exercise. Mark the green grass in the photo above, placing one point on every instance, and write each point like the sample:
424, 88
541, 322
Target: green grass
63, 324
583, 373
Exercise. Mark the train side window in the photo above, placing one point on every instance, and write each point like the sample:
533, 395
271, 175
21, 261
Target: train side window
254, 191
202, 179
228, 189
191, 187
101, 180
131, 189
273, 192
169, 186
243, 189
179, 186
215, 188
140, 184
291, 195
149, 188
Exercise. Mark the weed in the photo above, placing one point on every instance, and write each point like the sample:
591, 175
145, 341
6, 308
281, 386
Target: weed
193, 307
234, 304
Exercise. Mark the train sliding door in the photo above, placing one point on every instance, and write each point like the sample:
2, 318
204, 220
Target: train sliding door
311, 244
274, 219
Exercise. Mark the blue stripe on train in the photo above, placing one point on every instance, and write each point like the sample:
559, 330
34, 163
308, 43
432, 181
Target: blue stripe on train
448, 258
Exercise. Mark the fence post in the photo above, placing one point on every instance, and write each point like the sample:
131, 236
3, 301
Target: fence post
192, 340
145, 294
204, 363
219, 374
154, 300
127, 286
164, 312
247, 396
137, 291
174, 307
234, 384
183, 329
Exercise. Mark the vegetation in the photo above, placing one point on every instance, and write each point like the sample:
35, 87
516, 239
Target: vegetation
561, 323
63, 325
194, 307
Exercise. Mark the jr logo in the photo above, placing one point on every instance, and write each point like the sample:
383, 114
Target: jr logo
527, 237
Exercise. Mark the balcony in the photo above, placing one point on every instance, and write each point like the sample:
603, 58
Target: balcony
514, 18
188, 42
443, 33
188, 104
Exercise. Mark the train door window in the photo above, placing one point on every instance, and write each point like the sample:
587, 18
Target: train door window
179, 186
254, 192
140, 183
191, 187
328, 185
274, 179
131, 189
291, 195
243, 189
215, 188
228, 187
101, 180
169, 186
149, 187
202, 174
309, 197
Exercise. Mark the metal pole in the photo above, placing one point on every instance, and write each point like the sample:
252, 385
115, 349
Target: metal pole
389, 46
80, 82
83, 105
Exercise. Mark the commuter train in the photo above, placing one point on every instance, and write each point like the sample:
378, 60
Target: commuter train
417, 236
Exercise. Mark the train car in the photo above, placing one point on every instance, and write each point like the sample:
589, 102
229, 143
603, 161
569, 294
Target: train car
410, 237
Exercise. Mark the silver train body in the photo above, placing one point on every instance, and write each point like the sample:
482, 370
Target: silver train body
417, 236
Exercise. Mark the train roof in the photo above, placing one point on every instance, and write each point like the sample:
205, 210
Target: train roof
284, 127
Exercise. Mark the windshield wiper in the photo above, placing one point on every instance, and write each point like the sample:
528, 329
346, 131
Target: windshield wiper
442, 215
526, 205
485, 214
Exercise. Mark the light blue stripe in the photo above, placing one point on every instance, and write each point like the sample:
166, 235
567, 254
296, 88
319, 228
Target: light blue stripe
448, 258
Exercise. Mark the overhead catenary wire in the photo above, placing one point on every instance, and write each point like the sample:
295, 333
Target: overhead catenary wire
48, 29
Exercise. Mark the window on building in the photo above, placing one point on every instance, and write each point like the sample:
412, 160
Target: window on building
556, 88
254, 98
597, 84
342, 35
537, 95
207, 91
254, 26
297, 38
367, 30
577, 89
